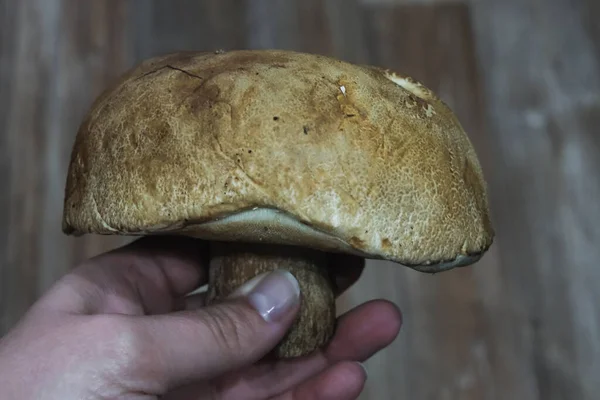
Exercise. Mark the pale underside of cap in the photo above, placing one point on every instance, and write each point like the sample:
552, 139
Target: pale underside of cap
280, 147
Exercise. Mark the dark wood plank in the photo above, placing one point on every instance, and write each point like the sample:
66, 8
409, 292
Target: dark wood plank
160, 27
30, 65
292, 25
590, 13
406, 2
349, 41
328, 27
543, 103
8, 48
272, 24
64, 53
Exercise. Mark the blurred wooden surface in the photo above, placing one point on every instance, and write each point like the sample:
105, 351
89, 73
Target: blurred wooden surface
523, 77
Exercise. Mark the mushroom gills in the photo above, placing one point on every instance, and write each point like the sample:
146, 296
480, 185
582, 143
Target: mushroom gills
270, 225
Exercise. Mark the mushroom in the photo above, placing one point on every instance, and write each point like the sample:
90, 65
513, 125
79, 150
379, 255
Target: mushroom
280, 159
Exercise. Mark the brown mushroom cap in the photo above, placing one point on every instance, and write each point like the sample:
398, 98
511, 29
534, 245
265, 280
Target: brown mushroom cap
280, 147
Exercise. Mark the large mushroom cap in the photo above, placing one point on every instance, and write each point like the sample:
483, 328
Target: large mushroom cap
280, 147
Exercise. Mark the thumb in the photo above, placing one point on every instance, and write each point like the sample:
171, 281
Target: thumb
205, 343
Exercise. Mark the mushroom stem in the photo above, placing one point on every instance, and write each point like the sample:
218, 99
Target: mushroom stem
233, 264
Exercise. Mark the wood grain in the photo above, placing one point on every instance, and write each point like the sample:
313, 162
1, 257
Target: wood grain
524, 79
159, 27
409, 2
543, 93
56, 59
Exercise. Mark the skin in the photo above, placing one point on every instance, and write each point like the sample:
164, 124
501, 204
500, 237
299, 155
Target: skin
119, 326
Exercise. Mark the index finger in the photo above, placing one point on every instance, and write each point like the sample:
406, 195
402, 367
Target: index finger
180, 261
148, 276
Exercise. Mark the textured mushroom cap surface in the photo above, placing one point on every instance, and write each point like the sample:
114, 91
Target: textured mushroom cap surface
282, 147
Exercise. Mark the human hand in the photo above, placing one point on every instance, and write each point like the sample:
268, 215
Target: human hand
120, 326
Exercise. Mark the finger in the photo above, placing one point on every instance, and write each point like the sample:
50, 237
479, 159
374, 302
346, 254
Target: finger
144, 277
202, 344
342, 381
360, 334
365, 331
346, 270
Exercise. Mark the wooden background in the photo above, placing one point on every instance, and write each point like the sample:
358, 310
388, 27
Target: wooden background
524, 78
